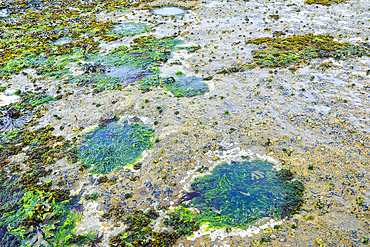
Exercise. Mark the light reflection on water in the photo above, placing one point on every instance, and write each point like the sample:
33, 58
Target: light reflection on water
4, 13
169, 11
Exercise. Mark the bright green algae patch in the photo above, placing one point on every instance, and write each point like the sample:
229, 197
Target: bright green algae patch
145, 52
298, 50
139, 64
242, 192
125, 65
39, 213
33, 100
187, 87
35, 30
114, 146
32, 213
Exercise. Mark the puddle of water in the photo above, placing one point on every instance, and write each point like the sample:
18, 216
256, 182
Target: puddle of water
113, 146
169, 11
213, 4
131, 29
63, 40
239, 193
124, 72
262, 105
8, 99
188, 87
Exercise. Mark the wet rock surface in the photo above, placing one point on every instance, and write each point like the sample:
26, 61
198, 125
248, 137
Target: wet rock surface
286, 83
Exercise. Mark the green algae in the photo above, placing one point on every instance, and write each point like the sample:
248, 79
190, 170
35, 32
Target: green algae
146, 52
188, 87
295, 51
37, 212
181, 222
240, 193
114, 146
99, 81
41, 145
34, 99
139, 64
32, 212
32, 33
126, 65
41, 218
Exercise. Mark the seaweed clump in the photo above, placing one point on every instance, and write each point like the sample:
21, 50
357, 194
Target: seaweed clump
239, 193
325, 2
30, 100
113, 146
294, 51
34, 27
139, 64
43, 147
32, 213
139, 232
126, 65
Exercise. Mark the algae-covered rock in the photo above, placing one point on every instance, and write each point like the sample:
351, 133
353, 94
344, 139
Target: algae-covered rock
240, 193
113, 146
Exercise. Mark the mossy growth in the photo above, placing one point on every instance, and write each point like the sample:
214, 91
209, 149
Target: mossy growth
99, 81
294, 51
127, 65
191, 48
43, 147
139, 64
3, 88
325, 2
33, 213
113, 146
180, 222
23, 41
40, 220
240, 193
30, 99
283, 52
92, 197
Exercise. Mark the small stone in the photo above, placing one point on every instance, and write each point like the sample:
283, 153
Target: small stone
319, 240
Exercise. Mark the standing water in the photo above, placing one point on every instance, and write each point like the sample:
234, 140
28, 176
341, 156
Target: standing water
213, 123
